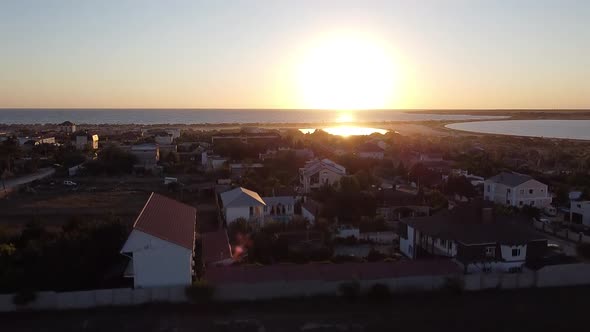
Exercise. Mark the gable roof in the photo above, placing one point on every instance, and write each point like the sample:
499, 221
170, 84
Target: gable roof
314, 166
168, 220
241, 197
215, 246
465, 224
510, 179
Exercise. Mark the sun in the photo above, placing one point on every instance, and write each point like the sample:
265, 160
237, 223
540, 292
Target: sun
348, 72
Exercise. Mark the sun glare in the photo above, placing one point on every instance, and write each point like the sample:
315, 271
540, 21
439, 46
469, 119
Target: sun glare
347, 73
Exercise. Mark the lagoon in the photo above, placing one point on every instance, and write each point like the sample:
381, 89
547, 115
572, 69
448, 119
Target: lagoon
565, 129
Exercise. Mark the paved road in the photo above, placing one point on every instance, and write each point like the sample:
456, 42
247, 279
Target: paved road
568, 247
40, 174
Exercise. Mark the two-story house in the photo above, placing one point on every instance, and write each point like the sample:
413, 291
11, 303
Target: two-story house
518, 190
475, 237
247, 204
317, 173
161, 245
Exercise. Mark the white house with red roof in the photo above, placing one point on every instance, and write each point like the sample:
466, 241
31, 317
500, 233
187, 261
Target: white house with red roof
161, 244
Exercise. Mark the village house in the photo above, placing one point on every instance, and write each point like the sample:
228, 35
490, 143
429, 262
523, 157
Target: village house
580, 212
237, 170
279, 208
161, 245
370, 151
247, 204
147, 155
317, 173
241, 203
475, 237
85, 141
518, 190
394, 205
67, 127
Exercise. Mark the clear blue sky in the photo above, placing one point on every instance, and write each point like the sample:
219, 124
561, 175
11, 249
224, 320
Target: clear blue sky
143, 53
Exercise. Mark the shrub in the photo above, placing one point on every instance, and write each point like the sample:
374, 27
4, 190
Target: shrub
453, 285
200, 291
379, 293
24, 297
583, 250
350, 290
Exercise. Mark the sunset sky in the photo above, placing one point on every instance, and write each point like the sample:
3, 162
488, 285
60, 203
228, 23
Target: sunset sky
294, 54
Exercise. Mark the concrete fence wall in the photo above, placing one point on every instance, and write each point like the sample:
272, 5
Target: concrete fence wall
550, 276
564, 233
97, 298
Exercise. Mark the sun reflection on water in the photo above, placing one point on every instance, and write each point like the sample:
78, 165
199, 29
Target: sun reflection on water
346, 131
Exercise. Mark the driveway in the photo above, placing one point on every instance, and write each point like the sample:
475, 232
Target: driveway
40, 174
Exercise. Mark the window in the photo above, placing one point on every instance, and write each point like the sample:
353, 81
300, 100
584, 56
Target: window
532, 203
486, 269
443, 243
450, 245
490, 251
251, 211
508, 201
515, 252
489, 188
520, 203
508, 190
530, 191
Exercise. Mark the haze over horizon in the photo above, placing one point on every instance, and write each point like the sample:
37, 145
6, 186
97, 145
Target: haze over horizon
296, 55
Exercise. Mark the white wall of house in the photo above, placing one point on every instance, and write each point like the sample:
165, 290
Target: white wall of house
308, 215
406, 246
532, 192
445, 247
513, 253
158, 263
234, 213
581, 208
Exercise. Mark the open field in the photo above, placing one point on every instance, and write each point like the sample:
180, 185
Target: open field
558, 309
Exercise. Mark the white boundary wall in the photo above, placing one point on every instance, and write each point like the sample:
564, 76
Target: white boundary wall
549, 276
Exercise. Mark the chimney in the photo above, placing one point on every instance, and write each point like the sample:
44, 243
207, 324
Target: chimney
487, 215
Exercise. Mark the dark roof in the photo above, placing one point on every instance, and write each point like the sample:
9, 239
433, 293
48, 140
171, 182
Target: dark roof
369, 147
215, 246
392, 197
466, 224
168, 220
66, 123
330, 272
510, 179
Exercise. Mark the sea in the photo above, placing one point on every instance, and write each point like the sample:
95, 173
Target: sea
217, 116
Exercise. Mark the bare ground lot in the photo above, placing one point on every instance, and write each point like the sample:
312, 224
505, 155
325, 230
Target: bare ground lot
562, 309
52, 203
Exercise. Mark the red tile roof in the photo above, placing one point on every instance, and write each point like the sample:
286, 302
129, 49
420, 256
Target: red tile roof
330, 272
168, 220
215, 246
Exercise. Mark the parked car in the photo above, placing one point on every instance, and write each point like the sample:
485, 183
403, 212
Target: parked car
70, 183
